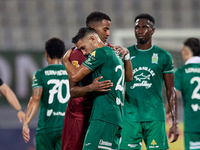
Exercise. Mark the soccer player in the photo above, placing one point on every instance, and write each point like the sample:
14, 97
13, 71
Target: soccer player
79, 108
144, 108
50, 90
187, 81
12, 99
106, 116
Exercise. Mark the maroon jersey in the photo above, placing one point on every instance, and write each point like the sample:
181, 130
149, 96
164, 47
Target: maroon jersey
80, 107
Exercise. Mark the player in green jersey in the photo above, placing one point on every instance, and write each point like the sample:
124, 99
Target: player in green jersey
144, 108
107, 114
187, 81
50, 91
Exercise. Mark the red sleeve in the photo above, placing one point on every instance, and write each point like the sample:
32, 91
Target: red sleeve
76, 57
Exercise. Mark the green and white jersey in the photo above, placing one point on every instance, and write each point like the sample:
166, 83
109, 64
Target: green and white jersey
187, 80
144, 93
107, 105
54, 81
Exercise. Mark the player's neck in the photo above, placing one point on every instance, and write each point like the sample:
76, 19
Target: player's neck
144, 46
55, 61
101, 44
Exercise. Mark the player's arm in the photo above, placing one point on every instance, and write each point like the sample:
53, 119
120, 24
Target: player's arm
12, 99
127, 62
172, 101
168, 112
96, 85
76, 74
32, 108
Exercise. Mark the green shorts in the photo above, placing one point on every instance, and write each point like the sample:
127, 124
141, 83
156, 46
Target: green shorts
49, 141
102, 135
152, 132
192, 140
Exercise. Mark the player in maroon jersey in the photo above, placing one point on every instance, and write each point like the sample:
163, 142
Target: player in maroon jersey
80, 105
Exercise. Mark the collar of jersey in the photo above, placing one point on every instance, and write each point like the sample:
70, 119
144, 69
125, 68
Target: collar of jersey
145, 49
193, 60
55, 64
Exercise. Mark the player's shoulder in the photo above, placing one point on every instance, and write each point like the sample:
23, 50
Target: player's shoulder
131, 47
180, 69
161, 50
76, 51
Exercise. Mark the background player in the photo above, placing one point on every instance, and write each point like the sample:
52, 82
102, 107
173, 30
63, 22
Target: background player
187, 80
12, 99
50, 90
144, 108
106, 117
79, 108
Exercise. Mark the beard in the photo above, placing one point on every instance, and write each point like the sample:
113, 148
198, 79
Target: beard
142, 41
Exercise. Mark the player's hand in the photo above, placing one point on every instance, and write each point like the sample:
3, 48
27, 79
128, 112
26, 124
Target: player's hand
21, 116
67, 54
121, 50
101, 86
168, 117
26, 133
175, 131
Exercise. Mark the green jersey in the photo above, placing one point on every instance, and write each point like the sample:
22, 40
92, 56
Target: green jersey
53, 79
144, 93
107, 105
187, 80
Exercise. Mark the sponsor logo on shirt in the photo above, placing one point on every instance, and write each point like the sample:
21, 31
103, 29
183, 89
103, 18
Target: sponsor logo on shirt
142, 79
50, 112
132, 57
75, 63
132, 145
106, 143
93, 53
153, 144
33, 77
154, 58
87, 144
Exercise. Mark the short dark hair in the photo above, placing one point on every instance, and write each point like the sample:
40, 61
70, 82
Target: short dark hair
194, 45
145, 16
55, 48
82, 33
96, 17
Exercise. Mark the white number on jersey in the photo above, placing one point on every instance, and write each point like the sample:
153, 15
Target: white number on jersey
57, 89
120, 83
195, 93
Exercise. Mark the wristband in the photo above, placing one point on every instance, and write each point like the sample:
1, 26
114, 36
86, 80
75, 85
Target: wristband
127, 57
19, 110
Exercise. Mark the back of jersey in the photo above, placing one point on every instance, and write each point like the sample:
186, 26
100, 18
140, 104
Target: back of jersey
54, 81
187, 80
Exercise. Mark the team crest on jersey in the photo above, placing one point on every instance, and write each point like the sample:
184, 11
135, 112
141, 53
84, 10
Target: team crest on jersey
154, 58
75, 63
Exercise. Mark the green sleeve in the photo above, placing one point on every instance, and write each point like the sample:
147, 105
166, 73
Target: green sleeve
168, 64
95, 59
36, 80
177, 80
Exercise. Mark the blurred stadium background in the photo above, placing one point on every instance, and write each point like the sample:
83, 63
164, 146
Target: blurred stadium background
25, 25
